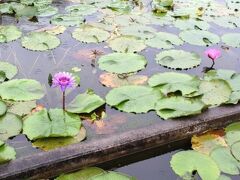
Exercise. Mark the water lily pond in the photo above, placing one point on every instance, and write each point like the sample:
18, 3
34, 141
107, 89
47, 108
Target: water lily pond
75, 72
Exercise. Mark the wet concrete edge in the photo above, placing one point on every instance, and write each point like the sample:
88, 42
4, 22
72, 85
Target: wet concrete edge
73, 157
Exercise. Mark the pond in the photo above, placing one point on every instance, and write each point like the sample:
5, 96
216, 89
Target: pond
145, 30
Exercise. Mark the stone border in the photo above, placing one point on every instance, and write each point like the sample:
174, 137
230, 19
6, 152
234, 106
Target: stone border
77, 156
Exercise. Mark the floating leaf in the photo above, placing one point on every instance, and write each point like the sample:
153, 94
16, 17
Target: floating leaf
122, 62
233, 133
178, 59
47, 144
164, 40
138, 30
138, 99
21, 90
85, 103
185, 162
177, 106
126, 44
215, 92
90, 34
114, 80
3, 108
54, 30
9, 70
227, 22
191, 24
10, 125
7, 153
22, 108
225, 161
120, 6
81, 9
46, 10
9, 33
232, 39
205, 143
199, 38
235, 150
171, 82
111, 175
82, 174
53, 123
67, 20
40, 41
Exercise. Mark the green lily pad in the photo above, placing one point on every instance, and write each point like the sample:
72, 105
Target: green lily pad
164, 40
225, 161
235, 150
191, 24
178, 106
47, 144
21, 90
120, 6
40, 41
46, 10
9, 33
111, 175
232, 133
5, 8
171, 82
178, 59
3, 108
122, 62
90, 34
53, 123
185, 162
9, 70
126, 44
85, 103
138, 30
7, 153
199, 38
67, 20
138, 99
10, 125
22, 108
81, 9
227, 22
82, 174
215, 92
232, 39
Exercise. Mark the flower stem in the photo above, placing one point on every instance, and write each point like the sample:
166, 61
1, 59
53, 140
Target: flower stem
63, 102
213, 63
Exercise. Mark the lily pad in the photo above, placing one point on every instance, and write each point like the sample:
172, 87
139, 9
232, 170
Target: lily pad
3, 108
233, 133
191, 24
21, 90
40, 41
171, 82
82, 174
47, 144
46, 10
205, 143
120, 6
85, 103
199, 38
235, 150
9, 33
185, 162
138, 99
9, 70
225, 161
54, 30
232, 39
53, 123
215, 92
90, 34
10, 125
138, 30
22, 108
122, 62
115, 80
178, 59
81, 9
126, 44
227, 22
164, 40
178, 106
67, 20
7, 153
111, 175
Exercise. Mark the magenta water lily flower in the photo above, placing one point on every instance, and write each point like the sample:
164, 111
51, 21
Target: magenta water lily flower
213, 54
63, 80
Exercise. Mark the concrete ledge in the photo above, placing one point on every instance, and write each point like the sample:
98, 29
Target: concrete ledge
53, 163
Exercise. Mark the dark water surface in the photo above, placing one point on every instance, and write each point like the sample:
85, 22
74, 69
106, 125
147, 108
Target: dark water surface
37, 65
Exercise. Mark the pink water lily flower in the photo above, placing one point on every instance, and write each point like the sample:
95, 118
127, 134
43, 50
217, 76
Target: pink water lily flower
63, 80
212, 53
